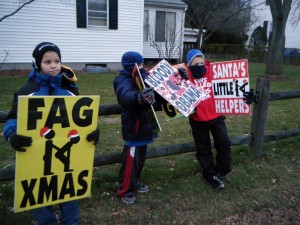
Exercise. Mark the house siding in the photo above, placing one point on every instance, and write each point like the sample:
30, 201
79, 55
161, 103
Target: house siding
53, 21
148, 50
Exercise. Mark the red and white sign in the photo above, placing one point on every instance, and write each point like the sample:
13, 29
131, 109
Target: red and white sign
167, 82
230, 81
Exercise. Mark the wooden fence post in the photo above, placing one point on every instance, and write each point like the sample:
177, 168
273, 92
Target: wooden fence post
259, 117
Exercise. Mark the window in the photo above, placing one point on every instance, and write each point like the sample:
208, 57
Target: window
97, 13
146, 25
160, 23
165, 26
171, 26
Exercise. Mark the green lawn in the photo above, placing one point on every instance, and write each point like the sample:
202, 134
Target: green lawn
178, 193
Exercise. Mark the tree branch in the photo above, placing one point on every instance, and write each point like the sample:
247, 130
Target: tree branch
17, 10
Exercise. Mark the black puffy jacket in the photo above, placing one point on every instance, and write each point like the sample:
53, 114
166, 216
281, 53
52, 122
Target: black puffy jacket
136, 125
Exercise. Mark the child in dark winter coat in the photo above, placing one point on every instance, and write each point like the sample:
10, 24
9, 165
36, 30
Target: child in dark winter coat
48, 77
136, 126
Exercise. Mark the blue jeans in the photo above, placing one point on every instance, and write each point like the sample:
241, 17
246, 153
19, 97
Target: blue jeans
69, 214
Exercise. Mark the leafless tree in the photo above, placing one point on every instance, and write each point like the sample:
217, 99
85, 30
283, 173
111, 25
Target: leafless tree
171, 47
23, 3
280, 11
6, 54
213, 15
295, 13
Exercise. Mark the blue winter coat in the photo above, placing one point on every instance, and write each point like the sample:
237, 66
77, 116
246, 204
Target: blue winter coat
136, 125
44, 85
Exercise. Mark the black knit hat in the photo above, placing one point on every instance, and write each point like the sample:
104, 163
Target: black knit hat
41, 49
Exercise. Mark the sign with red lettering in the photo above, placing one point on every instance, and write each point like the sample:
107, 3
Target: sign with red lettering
180, 93
230, 80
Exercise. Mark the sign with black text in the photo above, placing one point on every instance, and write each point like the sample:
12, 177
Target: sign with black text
230, 80
58, 166
180, 93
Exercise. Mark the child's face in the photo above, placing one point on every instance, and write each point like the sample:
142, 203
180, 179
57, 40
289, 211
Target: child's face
50, 63
198, 61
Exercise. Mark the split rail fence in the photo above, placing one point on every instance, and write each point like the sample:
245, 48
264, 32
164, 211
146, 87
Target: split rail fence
255, 139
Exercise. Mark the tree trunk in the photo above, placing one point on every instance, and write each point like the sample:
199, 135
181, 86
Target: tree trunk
280, 14
274, 60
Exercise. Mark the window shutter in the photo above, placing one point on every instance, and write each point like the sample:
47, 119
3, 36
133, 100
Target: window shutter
113, 14
81, 13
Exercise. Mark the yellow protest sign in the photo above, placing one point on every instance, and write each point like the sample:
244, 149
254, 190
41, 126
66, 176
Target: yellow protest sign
57, 167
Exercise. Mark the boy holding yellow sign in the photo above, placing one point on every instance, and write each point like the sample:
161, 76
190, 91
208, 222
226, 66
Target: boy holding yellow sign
48, 78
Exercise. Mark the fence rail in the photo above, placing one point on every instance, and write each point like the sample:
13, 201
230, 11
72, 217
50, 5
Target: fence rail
255, 139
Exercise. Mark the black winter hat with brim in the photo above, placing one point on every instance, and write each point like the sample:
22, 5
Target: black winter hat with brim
41, 49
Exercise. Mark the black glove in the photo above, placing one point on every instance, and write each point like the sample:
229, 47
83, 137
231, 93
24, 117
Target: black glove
183, 73
146, 96
249, 96
18, 142
94, 136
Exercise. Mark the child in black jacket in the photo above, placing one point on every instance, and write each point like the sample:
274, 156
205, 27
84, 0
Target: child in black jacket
48, 77
136, 126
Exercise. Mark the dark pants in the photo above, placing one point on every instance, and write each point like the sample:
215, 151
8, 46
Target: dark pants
69, 214
133, 160
201, 133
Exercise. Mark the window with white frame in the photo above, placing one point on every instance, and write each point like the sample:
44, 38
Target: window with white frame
146, 25
165, 26
97, 13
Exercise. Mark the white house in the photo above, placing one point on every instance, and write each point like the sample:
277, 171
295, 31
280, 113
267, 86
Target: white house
163, 28
88, 32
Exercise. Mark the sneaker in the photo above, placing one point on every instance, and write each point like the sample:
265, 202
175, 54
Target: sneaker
140, 187
220, 177
143, 188
129, 198
215, 182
